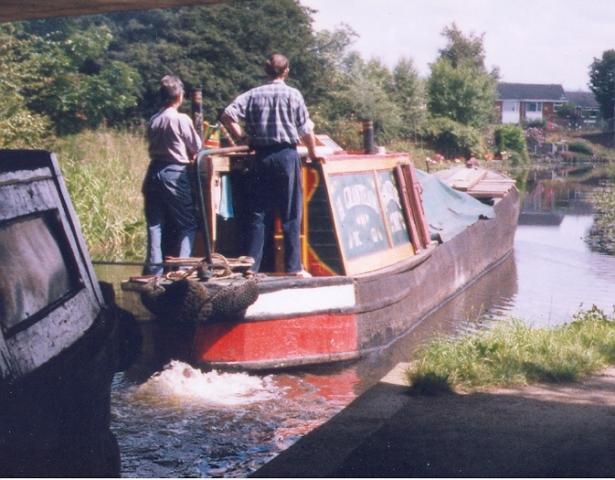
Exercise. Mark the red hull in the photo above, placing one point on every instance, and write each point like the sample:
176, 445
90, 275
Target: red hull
278, 343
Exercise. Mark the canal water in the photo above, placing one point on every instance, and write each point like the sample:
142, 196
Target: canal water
172, 420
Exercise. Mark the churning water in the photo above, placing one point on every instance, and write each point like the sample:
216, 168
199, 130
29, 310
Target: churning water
172, 420
183, 422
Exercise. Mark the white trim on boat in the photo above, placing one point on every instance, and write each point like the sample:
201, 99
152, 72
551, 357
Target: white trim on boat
293, 301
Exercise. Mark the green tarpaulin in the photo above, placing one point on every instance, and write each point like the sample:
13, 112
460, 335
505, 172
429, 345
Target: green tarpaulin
447, 210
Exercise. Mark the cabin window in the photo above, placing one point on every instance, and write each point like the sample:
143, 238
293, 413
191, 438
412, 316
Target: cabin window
369, 217
533, 107
37, 269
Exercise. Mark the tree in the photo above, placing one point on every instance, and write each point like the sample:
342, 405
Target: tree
409, 94
219, 47
462, 49
19, 126
75, 85
459, 86
461, 93
602, 84
363, 93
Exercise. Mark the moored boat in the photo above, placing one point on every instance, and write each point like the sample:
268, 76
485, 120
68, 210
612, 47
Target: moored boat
385, 245
61, 336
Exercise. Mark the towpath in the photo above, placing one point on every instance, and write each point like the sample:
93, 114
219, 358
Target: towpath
534, 431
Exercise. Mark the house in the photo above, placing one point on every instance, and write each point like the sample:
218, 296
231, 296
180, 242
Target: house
525, 102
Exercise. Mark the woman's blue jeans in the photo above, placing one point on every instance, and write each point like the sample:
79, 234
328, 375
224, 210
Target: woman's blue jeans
169, 208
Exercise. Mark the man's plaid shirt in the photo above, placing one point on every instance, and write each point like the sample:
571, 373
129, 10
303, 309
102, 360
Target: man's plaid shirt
273, 113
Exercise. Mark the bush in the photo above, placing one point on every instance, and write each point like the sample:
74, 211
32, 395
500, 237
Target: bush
510, 138
452, 138
580, 147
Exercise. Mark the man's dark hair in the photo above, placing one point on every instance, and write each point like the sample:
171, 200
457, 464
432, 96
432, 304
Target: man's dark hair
276, 65
171, 87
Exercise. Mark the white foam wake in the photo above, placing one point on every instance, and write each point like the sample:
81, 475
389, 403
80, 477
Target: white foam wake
180, 381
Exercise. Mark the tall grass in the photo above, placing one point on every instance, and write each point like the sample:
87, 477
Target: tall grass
103, 170
513, 353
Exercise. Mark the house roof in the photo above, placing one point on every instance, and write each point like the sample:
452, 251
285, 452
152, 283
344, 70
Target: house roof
15, 10
582, 99
531, 91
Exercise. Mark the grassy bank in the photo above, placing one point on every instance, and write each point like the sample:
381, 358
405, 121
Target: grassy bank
104, 170
512, 353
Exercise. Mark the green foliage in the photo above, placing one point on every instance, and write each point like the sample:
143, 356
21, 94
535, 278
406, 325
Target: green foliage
369, 90
221, 47
76, 86
97, 69
459, 86
408, 93
452, 138
19, 126
463, 49
103, 171
602, 83
512, 353
581, 147
511, 139
104, 69
362, 93
461, 93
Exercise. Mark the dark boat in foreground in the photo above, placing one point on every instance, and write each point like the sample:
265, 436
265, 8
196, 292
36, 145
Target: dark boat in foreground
61, 336
385, 245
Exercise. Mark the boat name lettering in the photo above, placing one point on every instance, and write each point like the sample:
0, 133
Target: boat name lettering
359, 195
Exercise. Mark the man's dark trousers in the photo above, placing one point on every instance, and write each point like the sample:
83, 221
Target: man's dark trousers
275, 185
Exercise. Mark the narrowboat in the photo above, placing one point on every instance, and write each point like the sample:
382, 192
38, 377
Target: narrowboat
385, 245
61, 336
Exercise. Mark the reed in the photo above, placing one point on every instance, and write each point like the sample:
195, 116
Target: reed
513, 353
103, 170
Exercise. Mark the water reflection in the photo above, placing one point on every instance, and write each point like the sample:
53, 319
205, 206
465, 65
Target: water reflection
550, 274
559, 273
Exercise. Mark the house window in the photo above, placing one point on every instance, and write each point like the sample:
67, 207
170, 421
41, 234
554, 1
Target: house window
533, 107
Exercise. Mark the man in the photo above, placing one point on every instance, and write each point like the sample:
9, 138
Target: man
173, 145
275, 118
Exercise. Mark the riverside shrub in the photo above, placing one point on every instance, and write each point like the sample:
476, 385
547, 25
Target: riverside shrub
510, 138
451, 137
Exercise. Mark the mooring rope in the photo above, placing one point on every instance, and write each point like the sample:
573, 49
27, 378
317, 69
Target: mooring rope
220, 268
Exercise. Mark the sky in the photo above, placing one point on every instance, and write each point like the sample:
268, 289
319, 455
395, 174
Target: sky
530, 41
